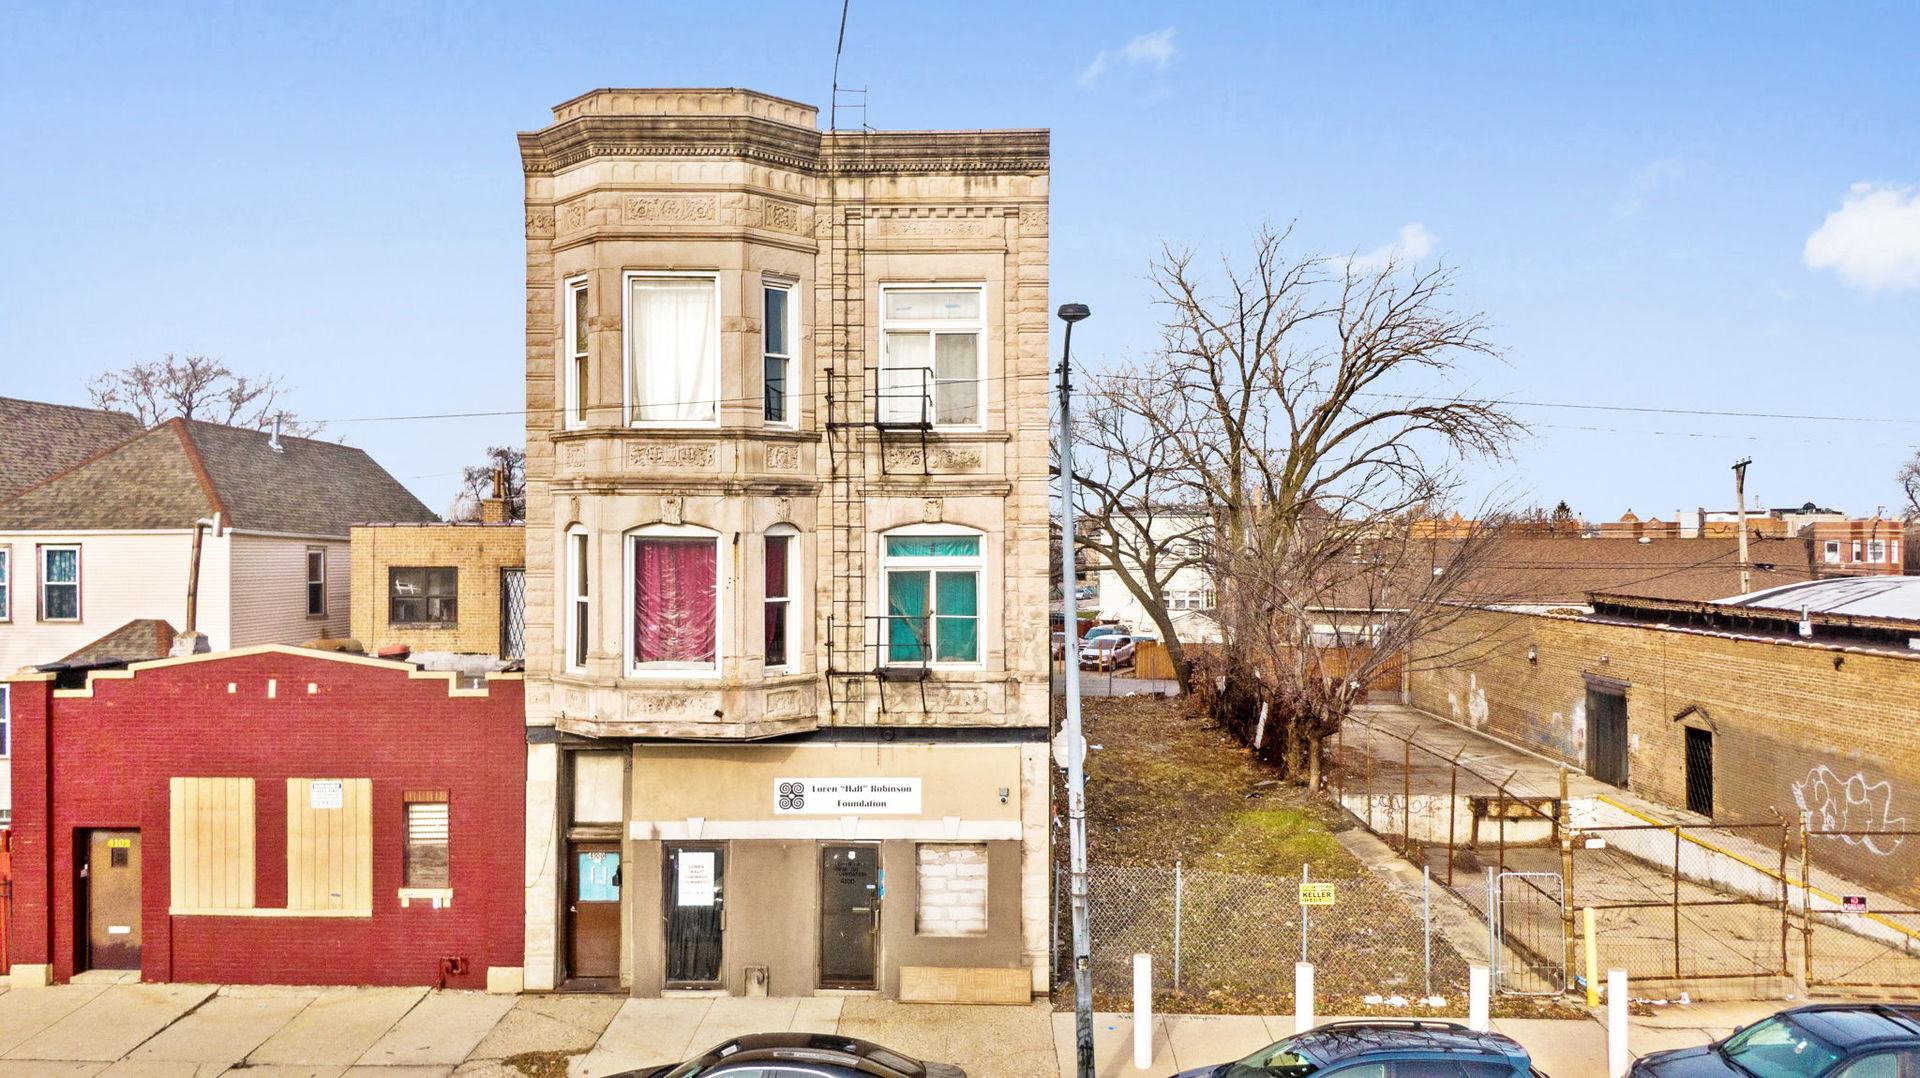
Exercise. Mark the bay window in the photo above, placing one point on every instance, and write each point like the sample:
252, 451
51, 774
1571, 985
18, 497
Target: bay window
673, 349
575, 397
776, 331
675, 599
932, 587
778, 600
930, 357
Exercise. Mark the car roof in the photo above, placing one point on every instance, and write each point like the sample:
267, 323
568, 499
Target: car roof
863, 1056
1852, 1024
1337, 1041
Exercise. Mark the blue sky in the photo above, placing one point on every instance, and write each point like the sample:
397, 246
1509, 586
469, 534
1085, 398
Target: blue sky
331, 193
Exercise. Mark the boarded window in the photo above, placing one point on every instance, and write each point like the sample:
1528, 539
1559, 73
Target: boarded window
951, 889
427, 833
330, 844
210, 839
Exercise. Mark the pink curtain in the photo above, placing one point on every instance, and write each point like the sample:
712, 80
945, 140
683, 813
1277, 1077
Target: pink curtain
673, 600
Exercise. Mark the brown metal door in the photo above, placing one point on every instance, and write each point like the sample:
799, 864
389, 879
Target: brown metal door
849, 915
110, 884
593, 910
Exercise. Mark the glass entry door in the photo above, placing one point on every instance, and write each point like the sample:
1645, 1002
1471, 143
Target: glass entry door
694, 893
849, 915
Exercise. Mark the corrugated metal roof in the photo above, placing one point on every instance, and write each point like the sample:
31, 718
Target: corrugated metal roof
1862, 596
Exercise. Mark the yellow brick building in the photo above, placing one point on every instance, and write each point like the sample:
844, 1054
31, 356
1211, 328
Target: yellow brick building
439, 587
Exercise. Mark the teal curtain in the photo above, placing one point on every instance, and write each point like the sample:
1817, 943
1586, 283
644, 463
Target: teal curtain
957, 622
907, 616
933, 546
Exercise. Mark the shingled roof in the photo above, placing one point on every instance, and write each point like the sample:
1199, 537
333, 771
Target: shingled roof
39, 441
183, 470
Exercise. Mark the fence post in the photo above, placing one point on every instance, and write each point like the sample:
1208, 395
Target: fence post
1616, 1023
1370, 779
1340, 762
1676, 902
1303, 920
1054, 926
1179, 909
1426, 922
1562, 821
1493, 923
1479, 997
1453, 809
1593, 959
1406, 798
1142, 1011
1785, 910
1806, 897
1302, 997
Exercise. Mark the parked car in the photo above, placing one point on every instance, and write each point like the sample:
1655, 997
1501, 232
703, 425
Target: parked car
1085, 593
1382, 1048
1845, 1040
1099, 631
1110, 652
813, 1055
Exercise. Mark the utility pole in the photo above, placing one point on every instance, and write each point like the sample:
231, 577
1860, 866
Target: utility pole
1740, 494
1073, 740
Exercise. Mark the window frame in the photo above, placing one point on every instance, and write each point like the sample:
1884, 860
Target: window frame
579, 590
789, 399
722, 593
436, 799
426, 596
6, 720
1876, 550
628, 404
931, 326
320, 553
79, 612
575, 354
790, 535
6, 585
977, 563
1830, 554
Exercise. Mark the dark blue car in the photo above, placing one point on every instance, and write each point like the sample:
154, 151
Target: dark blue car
1841, 1040
1382, 1048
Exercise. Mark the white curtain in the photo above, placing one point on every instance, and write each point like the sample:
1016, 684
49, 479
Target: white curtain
673, 349
906, 379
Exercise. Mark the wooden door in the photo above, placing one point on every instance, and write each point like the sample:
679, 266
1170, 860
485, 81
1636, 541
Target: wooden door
593, 910
849, 915
695, 894
110, 897
1607, 736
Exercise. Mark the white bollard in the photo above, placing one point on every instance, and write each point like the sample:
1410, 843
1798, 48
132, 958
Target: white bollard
1302, 996
1479, 992
1142, 1011
1617, 1023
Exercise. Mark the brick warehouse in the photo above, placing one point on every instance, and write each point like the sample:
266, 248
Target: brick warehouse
1727, 712
272, 815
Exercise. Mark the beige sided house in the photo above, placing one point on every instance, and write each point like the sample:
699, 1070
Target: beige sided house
787, 518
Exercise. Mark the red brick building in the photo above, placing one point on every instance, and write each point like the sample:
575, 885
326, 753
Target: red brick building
1866, 547
271, 815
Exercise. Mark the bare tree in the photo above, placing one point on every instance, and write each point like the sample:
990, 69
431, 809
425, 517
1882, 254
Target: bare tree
195, 387
1909, 479
1295, 422
504, 475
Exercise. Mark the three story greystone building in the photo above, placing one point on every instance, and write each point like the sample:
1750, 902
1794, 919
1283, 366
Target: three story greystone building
787, 507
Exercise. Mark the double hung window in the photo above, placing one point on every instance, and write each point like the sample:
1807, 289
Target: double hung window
421, 596
779, 597
578, 615
427, 829
575, 402
675, 600
930, 357
776, 345
6, 584
933, 598
59, 583
316, 582
673, 349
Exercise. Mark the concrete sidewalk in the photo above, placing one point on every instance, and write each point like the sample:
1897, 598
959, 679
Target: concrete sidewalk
109, 1027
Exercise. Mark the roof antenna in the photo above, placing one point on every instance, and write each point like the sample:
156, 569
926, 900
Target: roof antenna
273, 440
833, 105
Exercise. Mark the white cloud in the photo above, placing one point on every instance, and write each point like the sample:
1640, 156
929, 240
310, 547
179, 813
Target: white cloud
1873, 240
1414, 243
1153, 50
1657, 173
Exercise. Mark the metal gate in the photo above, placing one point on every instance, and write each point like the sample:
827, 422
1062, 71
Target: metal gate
1527, 932
1700, 772
513, 613
1864, 942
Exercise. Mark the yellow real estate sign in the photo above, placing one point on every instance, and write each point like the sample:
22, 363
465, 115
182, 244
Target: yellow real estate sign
1316, 894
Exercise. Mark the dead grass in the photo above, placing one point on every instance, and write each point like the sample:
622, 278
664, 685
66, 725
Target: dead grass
541, 1064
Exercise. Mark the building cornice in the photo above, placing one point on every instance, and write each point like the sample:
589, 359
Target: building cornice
751, 138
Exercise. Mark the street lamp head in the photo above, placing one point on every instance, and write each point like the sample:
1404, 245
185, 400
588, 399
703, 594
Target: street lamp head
1073, 312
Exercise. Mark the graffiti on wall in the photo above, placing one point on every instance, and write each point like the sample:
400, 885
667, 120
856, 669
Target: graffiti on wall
1850, 804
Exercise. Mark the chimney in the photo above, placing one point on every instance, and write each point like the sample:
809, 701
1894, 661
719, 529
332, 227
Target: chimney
273, 440
494, 510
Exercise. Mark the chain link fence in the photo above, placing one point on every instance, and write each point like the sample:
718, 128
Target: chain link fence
1224, 940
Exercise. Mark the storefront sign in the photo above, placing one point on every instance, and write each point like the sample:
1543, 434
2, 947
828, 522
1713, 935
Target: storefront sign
845, 797
695, 884
327, 794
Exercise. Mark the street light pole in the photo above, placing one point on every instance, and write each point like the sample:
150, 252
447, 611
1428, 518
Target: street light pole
1074, 741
